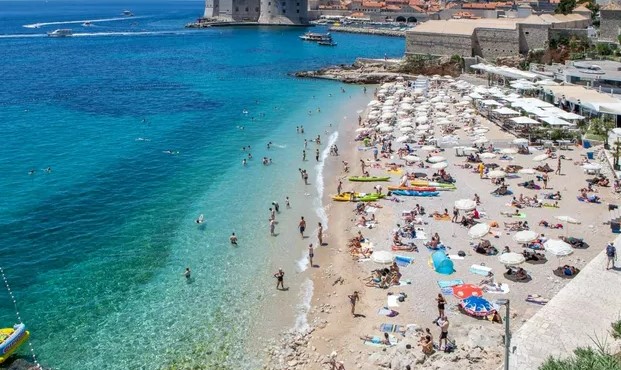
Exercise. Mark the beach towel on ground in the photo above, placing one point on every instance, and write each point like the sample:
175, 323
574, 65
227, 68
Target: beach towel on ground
420, 235
447, 290
480, 270
537, 299
455, 257
377, 342
393, 301
499, 289
385, 311
404, 261
391, 328
449, 283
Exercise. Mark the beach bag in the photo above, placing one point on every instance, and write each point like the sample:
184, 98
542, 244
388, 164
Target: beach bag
610, 251
450, 346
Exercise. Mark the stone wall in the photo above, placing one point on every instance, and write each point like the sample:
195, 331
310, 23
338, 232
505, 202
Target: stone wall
493, 43
533, 36
437, 44
284, 12
610, 22
568, 33
246, 10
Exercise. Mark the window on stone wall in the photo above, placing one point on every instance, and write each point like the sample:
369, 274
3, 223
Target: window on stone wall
298, 4
246, 8
284, 3
256, 9
527, 33
270, 3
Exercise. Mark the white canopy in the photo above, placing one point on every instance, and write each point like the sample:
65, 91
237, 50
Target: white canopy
525, 236
505, 111
465, 204
525, 121
496, 174
558, 247
436, 159
382, 257
511, 259
439, 165
478, 231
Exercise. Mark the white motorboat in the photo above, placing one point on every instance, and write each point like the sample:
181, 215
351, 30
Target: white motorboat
61, 32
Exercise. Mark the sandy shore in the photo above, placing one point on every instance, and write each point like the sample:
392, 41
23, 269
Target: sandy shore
479, 342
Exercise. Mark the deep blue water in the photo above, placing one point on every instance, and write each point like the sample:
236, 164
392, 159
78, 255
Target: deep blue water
94, 251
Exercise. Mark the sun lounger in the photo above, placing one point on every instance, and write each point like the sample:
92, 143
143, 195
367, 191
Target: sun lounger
392, 328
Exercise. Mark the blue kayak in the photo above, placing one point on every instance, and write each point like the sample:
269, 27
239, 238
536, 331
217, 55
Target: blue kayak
413, 193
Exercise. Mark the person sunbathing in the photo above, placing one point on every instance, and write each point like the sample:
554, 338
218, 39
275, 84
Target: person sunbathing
433, 243
574, 242
467, 221
501, 190
569, 270
532, 255
603, 182
437, 214
550, 205
377, 340
396, 240
489, 279
553, 196
515, 226
362, 221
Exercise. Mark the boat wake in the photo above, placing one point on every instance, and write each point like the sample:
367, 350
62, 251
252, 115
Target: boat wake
43, 24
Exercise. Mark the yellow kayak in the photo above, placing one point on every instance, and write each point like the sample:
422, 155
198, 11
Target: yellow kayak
11, 339
395, 172
357, 197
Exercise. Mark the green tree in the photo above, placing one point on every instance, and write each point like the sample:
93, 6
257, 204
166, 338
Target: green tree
601, 127
603, 49
565, 6
584, 358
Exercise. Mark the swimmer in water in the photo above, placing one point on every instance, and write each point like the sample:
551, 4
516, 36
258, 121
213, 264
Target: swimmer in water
32, 172
287, 203
187, 273
48, 170
233, 239
276, 206
199, 220
305, 143
244, 162
249, 156
269, 145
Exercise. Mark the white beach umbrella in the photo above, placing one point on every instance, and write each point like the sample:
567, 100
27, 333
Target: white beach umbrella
558, 247
386, 129
481, 130
406, 129
520, 141
525, 236
382, 257
402, 139
423, 127
482, 140
361, 129
465, 204
470, 149
508, 151
443, 122
511, 259
496, 174
441, 114
373, 103
436, 159
487, 155
527, 171
428, 148
421, 108
439, 165
478, 231
412, 158
422, 119
540, 157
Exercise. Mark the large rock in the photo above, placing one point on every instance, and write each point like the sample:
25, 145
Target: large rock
486, 338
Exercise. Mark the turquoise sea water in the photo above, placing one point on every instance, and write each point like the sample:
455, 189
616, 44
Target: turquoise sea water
95, 250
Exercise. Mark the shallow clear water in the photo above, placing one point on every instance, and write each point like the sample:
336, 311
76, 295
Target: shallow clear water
95, 250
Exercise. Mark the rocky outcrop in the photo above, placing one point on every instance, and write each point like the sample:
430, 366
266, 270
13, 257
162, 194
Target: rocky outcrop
21, 364
376, 71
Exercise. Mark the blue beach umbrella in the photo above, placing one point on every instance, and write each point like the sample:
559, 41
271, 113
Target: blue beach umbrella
476, 306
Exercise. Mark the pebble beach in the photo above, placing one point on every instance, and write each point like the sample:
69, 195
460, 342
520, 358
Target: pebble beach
406, 309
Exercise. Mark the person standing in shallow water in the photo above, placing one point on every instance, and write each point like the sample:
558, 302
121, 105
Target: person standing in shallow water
302, 226
272, 227
187, 273
280, 279
311, 254
320, 234
317, 155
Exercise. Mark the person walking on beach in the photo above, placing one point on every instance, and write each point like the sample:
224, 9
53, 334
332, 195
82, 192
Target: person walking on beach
544, 178
305, 177
303, 155
363, 165
441, 302
233, 239
302, 226
455, 215
317, 155
611, 253
443, 323
187, 273
272, 227
272, 214
320, 234
276, 206
353, 298
558, 167
375, 153
311, 254
280, 279
336, 150
305, 143
287, 203
339, 187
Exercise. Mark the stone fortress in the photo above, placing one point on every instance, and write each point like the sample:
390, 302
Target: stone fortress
269, 12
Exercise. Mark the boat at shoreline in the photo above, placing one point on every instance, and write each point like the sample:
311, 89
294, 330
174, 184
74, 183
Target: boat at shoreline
11, 339
317, 37
61, 32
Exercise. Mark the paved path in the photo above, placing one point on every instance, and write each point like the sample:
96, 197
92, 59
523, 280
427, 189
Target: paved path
580, 312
